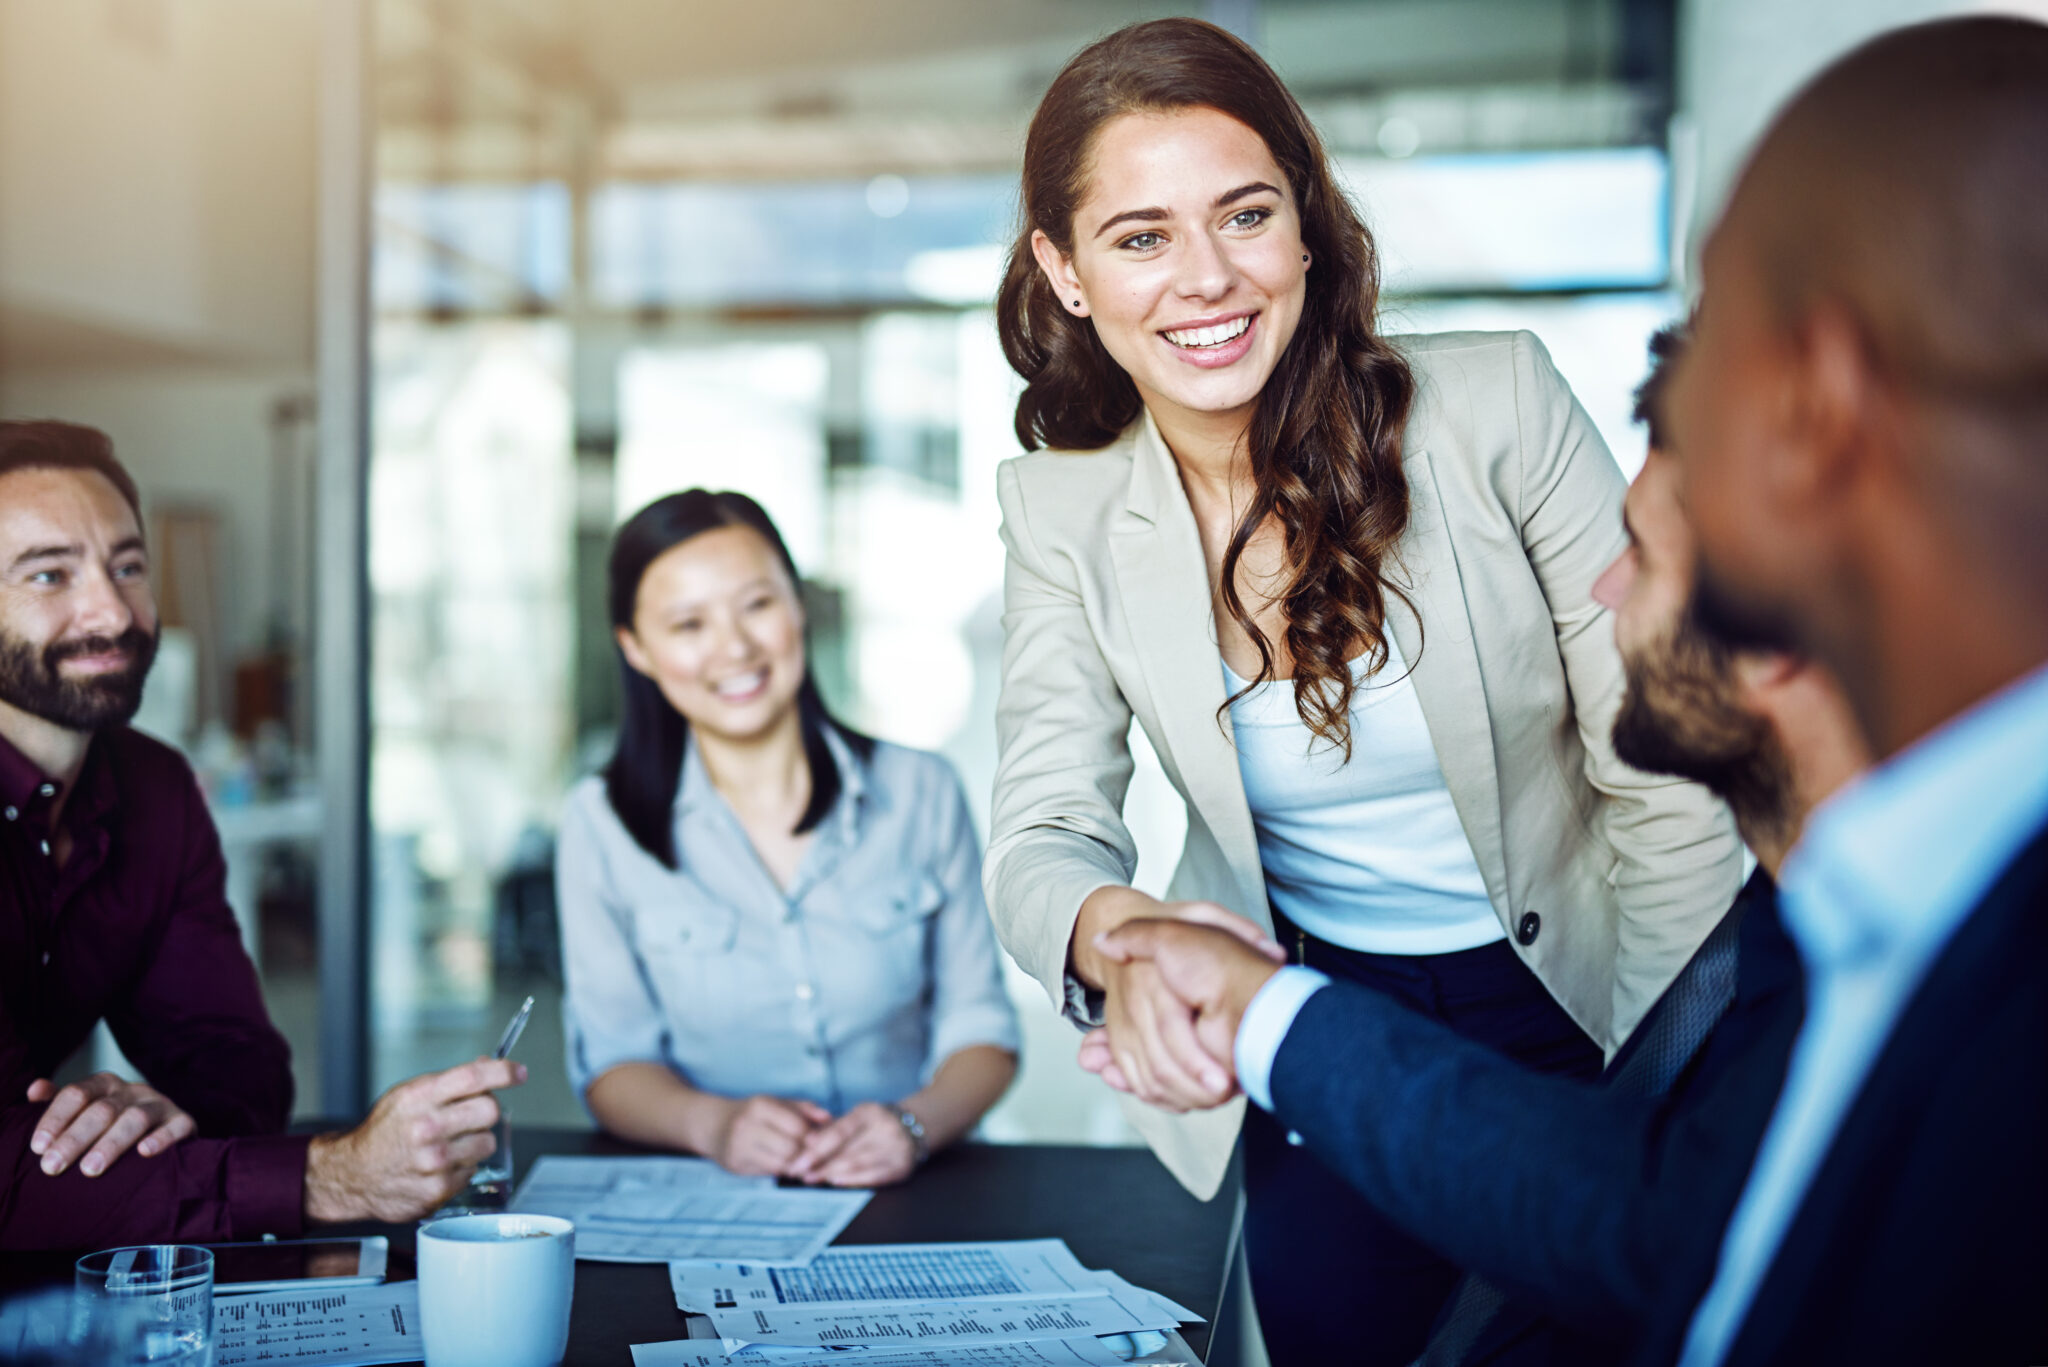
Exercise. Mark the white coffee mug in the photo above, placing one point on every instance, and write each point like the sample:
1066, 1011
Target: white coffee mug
495, 1290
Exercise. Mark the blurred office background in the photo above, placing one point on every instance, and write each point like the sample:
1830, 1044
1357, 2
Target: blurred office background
396, 307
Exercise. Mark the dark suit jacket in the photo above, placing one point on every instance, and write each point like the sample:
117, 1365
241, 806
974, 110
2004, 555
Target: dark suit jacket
1924, 1238
1585, 1206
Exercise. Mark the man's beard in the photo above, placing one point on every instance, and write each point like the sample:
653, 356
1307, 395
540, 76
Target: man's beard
31, 681
1726, 620
1680, 716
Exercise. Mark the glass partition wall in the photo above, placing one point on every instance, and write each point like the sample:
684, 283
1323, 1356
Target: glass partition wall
616, 258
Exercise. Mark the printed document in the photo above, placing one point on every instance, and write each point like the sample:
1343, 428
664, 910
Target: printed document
347, 1327
1050, 1353
939, 1324
866, 1274
657, 1210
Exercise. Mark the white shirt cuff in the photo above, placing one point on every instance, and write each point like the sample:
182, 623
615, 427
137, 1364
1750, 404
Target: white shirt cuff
1265, 1025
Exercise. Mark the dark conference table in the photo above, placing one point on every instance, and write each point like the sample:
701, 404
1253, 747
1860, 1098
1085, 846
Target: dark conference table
1116, 1208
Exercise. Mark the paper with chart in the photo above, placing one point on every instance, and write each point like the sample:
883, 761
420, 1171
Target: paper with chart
655, 1210
1084, 1352
940, 1324
1019, 1269
347, 1327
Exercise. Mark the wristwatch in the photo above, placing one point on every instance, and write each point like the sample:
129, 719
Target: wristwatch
915, 1128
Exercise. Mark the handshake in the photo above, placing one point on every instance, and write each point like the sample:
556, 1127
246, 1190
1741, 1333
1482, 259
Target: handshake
1177, 978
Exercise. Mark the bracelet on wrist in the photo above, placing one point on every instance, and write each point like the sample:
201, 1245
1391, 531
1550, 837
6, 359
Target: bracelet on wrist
914, 1127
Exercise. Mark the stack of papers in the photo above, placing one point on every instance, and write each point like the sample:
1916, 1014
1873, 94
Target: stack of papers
664, 1210
1026, 1302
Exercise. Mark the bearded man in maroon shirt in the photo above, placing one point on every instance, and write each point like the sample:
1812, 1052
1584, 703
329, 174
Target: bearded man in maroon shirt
113, 907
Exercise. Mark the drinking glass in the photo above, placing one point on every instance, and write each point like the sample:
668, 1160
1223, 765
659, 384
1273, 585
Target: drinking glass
152, 1304
493, 1176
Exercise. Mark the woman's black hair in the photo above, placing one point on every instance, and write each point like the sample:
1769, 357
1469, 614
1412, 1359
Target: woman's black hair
648, 763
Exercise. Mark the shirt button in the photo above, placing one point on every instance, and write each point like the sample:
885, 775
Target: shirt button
46, 847
1525, 933
48, 790
46, 958
804, 991
12, 813
1294, 1138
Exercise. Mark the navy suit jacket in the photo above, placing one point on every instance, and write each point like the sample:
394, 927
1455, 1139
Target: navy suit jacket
1586, 1207
1924, 1238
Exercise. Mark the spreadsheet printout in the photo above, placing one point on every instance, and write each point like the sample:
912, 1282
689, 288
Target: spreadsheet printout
780, 1227
938, 1324
657, 1210
1085, 1352
862, 1274
346, 1327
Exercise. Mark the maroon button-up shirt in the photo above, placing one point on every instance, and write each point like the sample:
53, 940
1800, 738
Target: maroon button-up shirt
135, 929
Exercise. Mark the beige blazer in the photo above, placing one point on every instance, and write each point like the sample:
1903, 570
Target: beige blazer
1515, 508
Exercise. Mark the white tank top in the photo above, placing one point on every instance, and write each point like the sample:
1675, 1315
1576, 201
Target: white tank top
1368, 854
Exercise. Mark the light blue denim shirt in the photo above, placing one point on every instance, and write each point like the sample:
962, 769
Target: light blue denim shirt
853, 985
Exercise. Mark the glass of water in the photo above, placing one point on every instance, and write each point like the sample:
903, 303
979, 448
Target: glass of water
152, 1304
493, 1176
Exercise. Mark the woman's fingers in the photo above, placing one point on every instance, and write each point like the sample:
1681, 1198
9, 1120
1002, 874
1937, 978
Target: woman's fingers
777, 1116
1177, 1034
823, 1145
1168, 1082
1209, 914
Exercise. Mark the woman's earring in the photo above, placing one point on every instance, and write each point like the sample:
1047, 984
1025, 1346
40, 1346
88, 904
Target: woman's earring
1304, 258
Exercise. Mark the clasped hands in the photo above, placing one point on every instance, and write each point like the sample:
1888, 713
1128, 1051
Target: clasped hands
1177, 979
767, 1136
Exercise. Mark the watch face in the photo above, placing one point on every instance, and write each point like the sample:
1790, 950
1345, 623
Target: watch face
916, 1129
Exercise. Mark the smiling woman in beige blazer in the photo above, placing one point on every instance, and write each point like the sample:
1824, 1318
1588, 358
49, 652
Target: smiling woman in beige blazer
1240, 467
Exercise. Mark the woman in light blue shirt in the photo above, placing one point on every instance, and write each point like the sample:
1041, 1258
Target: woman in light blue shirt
776, 949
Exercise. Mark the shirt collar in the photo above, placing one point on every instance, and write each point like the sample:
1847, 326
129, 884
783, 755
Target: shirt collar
24, 787
1896, 860
694, 787
20, 780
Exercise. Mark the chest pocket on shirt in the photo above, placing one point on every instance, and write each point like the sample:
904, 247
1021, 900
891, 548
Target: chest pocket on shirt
694, 926
896, 905
685, 947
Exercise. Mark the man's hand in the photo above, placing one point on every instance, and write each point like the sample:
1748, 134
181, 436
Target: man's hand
867, 1147
761, 1136
1210, 973
422, 1141
1151, 1029
102, 1118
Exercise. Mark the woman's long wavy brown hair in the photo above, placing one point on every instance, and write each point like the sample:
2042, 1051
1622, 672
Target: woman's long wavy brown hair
1325, 442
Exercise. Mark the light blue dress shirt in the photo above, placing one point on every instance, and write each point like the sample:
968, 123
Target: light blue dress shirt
854, 984
1885, 874
1265, 1025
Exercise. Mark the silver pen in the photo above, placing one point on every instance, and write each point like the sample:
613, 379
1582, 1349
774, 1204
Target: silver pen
513, 1029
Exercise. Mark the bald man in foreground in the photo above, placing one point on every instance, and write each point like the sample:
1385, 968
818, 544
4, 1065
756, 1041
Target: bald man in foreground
1863, 425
